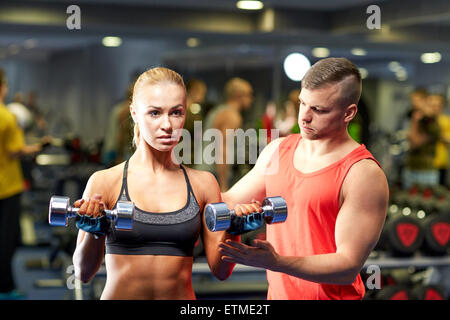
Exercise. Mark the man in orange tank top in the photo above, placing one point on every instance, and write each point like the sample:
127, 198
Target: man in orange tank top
336, 194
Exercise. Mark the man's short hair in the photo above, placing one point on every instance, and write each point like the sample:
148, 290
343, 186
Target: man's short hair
235, 87
330, 71
2, 77
420, 91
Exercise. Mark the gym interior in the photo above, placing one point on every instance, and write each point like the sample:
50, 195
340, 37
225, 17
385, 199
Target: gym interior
69, 65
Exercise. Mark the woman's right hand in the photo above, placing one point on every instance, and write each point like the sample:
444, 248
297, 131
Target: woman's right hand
90, 217
92, 207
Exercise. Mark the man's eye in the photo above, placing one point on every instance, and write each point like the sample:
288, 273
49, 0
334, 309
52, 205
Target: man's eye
317, 110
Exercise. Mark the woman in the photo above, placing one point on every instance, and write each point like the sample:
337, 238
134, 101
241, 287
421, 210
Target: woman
154, 260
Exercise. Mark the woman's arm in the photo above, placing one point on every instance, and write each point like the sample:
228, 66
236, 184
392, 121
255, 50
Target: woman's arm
211, 193
89, 252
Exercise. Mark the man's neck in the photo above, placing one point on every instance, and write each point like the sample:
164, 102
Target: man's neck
232, 104
321, 147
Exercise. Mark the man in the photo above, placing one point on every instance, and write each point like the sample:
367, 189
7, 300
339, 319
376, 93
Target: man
12, 147
423, 136
441, 159
239, 97
336, 194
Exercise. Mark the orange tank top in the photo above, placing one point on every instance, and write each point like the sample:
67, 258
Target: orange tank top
313, 204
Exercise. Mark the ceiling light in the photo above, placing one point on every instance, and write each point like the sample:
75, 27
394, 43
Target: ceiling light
249, 5
320, 52
364, 73
358, 52
111, 41
394, 66
430, 57
195, 108
295, 66
192, 42
401, 75
30, 43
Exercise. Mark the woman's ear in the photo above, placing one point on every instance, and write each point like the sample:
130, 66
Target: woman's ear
133, 112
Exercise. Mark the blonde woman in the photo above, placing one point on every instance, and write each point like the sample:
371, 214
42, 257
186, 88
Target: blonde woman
154, 260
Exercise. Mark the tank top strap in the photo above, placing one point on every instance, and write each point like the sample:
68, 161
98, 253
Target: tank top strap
123, 190
188, 183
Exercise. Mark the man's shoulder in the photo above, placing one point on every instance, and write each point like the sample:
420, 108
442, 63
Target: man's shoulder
365, 172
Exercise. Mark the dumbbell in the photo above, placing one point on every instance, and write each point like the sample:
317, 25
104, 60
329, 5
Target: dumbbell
218, 215
60, 211
402, 233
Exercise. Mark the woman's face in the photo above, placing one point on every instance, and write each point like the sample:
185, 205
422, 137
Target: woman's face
159, 110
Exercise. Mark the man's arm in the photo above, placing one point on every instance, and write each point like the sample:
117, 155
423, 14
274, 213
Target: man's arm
252, 186
416, 137
358, 228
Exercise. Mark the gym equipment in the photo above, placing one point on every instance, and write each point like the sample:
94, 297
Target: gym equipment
428, 292
402, 234
60, 211
394, 292
218, 215
436, 234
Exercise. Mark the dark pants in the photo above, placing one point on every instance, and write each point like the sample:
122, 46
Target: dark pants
9, 239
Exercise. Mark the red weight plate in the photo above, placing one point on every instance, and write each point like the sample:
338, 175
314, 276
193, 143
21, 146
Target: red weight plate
432, 294
400, 295
407, 233
441, 232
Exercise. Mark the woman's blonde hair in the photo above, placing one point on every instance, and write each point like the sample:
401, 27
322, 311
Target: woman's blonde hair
150, 77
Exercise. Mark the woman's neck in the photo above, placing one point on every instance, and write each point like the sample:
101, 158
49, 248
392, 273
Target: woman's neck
151, 159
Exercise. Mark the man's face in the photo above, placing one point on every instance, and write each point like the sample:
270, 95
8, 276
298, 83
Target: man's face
436, 104
3, 90
320, 115
246, 96
418, 100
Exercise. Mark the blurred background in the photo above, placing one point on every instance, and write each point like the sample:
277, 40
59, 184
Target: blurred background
69, 70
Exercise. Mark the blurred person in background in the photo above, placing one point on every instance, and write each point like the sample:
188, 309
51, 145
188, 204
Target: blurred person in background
287, 122
12, 147
423, 134
441, 160
23, 114
195, 97
116, 147
238, 97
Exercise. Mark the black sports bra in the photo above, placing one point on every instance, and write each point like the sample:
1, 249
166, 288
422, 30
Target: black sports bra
166, 233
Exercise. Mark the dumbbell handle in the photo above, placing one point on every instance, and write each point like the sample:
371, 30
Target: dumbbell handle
218, 216
110, 214
60, 212
266, 212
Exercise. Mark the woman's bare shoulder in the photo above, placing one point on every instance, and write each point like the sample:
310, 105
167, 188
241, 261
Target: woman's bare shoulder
105, 182
204, 184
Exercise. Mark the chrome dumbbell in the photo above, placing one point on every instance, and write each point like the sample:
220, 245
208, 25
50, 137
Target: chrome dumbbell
218, 215
60, 211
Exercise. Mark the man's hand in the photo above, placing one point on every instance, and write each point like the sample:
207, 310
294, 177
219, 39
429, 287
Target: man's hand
261, 255
247, 217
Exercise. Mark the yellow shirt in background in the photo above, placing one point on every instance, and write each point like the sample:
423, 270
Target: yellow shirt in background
441, 158
11, 140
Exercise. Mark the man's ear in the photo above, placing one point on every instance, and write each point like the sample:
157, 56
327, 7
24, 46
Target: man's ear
350, 112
